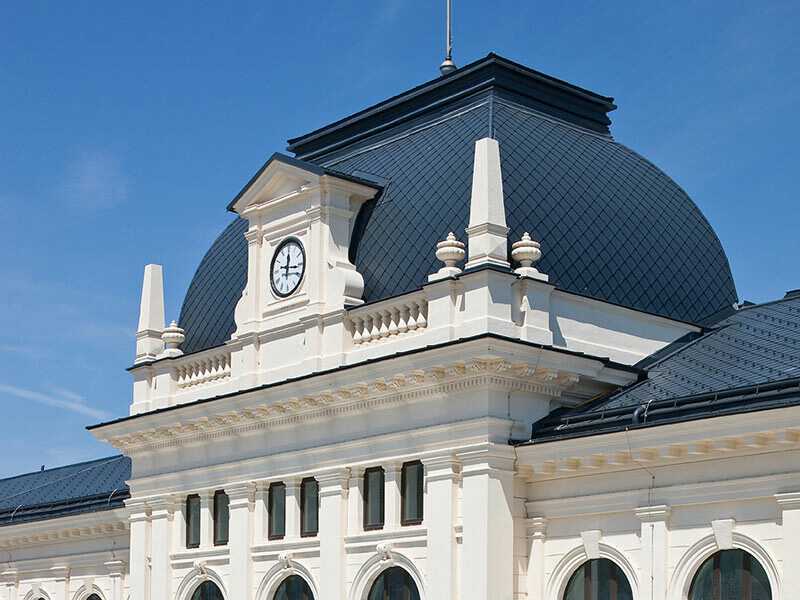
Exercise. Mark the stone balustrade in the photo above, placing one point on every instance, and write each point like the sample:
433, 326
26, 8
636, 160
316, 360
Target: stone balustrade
202, 368
389, 319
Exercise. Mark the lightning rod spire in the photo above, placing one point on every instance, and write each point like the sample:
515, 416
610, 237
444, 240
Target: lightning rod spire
448, 66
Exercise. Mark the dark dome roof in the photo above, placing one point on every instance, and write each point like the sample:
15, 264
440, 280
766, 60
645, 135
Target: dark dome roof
612, 225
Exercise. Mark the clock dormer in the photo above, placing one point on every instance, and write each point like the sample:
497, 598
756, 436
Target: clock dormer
300, 222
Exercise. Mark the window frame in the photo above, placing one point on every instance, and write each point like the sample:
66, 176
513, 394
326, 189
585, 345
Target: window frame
381, 498
218, 541
270, 513
303, 508
420, 493
188, 520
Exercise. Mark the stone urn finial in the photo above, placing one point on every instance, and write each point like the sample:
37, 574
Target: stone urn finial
172, 337
450, 251
526, 252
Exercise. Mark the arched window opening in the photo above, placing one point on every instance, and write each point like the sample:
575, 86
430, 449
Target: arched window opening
93, 597
294, 588
731, 575
207, 591
394, 584
598, 579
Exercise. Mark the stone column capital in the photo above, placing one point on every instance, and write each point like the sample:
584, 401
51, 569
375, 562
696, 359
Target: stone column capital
486, 459
116, 568
536, 527
240, 494
653, 514
333, 481
60, 572
161, 506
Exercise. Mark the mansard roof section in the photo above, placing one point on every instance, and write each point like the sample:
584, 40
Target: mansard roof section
73, 489
282, 175
492, 74
749, 361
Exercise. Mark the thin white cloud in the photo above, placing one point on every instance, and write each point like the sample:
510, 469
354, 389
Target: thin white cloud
95, 180
66, 402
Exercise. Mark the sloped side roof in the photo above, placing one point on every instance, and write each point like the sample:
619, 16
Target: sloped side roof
748, 361
73, 489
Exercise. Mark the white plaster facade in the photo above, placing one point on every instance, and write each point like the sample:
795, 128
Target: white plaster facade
317, 385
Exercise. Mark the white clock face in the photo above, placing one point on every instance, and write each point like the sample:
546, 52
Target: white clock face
288, 266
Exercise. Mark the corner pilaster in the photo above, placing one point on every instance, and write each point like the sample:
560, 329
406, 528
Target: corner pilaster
161, 514
332, 526
654, 549
440, 514
536, 528
789, 503
241, 499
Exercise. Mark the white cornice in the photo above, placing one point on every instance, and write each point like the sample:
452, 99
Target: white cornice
403, 387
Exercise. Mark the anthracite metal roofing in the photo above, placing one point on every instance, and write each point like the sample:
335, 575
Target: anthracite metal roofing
207, 311
612, 225
749, 360
74, 489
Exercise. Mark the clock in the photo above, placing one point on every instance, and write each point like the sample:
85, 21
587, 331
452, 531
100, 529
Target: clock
288, 267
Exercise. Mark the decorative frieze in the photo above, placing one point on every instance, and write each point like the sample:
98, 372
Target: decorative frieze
450, 377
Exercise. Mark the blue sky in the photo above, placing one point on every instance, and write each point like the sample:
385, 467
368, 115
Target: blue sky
126, 128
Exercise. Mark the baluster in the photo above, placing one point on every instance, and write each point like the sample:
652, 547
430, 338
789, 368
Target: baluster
385, 316
412, 316
402, 318
422, 322
394, 317
375, 331
358, 330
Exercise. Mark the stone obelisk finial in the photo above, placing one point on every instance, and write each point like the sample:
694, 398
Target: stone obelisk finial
151, 315
487, 232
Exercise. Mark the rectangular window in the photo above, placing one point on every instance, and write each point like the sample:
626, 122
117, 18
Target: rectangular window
221, 518
373, 498
411, 486
193, 521
277, 511
309, 507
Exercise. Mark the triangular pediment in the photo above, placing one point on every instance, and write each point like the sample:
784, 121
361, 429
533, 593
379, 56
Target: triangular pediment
280, 176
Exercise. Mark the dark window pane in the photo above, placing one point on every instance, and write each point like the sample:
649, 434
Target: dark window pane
412, 481
207, 591
309, 507
373, 498
394, 584
599, 578
277, 511
193, 521
220, 518
730, 575
294, 588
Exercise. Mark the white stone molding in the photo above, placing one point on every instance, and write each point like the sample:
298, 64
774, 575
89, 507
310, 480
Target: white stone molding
195, 577
690, 562
87, 589
36, 593
569, 563
64, 534
450, 377
278, 573
375, 565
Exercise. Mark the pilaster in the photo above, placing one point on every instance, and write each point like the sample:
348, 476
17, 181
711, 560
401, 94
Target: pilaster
241, 498
789, 503
139, 582
391, 486
116, 575
537, 535
332, 524
207, 519
487, 550
260, 511
61, 575
440, 514
10, 583
355, 501
161, 514
654, 550
292, 508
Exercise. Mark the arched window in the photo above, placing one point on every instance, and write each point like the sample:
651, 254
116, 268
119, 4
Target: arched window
207, 591
93, 597
294, 588
598, 579
394, 584
730, 575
